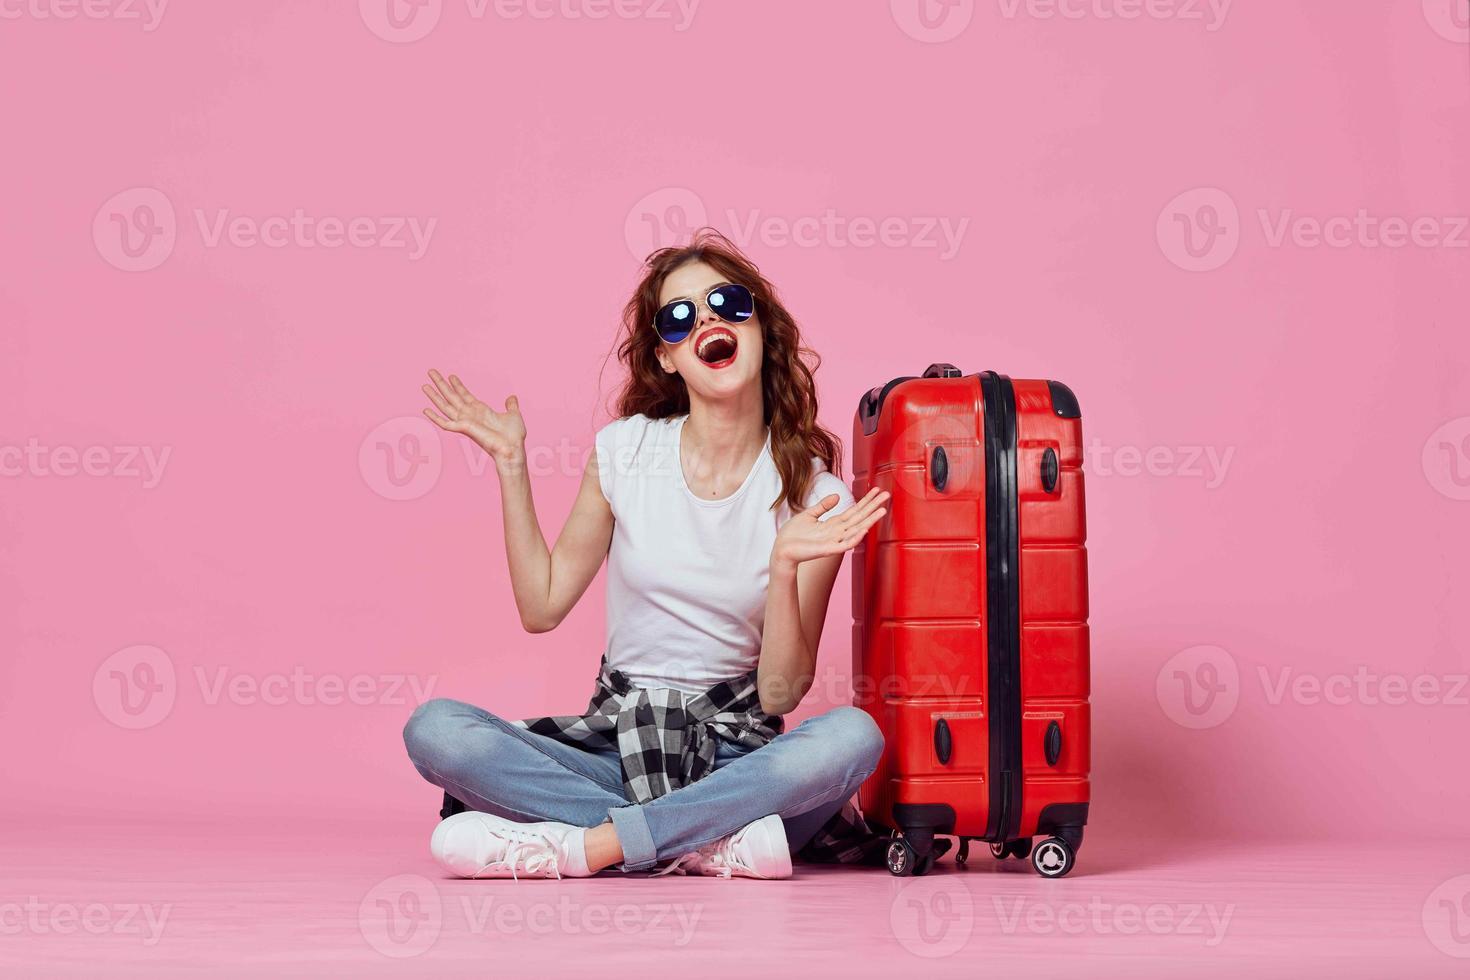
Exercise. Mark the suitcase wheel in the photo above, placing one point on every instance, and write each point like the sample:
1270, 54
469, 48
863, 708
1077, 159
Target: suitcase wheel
962, 856
1053, 858
904, 859
901, 858
1019, 848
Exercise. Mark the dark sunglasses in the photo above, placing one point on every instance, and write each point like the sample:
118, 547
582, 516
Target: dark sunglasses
730, 302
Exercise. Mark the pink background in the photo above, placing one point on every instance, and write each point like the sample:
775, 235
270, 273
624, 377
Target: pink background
550, 154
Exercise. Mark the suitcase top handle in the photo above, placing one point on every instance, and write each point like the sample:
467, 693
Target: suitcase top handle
941, 370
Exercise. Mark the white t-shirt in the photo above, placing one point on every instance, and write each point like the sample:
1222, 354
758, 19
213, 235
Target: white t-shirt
687, 578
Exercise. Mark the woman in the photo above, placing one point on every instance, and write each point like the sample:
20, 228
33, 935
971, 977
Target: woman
714, 498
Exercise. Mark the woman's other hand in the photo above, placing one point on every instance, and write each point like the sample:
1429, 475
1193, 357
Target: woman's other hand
804, 537
501, 434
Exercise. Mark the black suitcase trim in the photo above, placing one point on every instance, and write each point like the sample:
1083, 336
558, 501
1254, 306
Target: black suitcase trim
1002, 605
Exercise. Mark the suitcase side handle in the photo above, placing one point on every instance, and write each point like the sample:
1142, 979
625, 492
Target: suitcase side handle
941, 369
943, 743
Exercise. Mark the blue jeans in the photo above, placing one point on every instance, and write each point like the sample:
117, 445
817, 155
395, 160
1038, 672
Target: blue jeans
805, 775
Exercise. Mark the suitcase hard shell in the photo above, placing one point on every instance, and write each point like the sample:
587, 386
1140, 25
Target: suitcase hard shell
969, 605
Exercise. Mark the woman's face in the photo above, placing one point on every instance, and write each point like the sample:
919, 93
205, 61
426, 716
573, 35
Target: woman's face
732, 351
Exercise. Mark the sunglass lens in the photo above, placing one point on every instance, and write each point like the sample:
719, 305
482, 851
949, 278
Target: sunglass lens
675, 321
732, 303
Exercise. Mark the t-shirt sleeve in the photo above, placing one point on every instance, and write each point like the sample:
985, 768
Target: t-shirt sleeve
825, 483
606, 447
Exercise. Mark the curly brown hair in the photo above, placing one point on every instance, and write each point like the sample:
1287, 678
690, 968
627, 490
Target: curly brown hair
787, 380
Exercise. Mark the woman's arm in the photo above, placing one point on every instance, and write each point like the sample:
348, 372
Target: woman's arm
804, 563
546, 582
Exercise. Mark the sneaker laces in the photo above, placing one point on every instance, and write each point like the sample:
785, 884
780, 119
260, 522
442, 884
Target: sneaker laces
721, 855
530, 851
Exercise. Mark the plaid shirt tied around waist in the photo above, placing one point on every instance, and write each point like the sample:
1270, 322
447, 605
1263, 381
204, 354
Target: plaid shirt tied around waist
666, 739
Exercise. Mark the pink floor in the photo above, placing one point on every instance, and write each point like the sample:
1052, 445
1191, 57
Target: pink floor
347, 898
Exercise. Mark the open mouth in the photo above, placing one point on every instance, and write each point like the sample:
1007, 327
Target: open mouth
717, 347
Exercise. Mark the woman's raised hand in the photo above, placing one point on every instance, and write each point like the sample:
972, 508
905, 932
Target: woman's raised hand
501, 434
804, 537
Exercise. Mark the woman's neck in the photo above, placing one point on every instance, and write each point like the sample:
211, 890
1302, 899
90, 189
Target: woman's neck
725, 433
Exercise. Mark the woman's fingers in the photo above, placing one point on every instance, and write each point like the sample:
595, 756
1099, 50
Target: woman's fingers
859, 511
439, 401
822, 506
441, 421
445, 389
851, 536
460, 389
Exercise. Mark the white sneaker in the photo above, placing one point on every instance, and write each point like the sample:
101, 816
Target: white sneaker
757, 850
472, 844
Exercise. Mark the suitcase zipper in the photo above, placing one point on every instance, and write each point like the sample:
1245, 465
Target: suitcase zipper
1003, 605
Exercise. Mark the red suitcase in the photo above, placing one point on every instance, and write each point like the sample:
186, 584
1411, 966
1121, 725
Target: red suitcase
969, 607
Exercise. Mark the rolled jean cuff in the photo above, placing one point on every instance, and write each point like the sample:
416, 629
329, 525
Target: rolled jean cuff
634, 837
